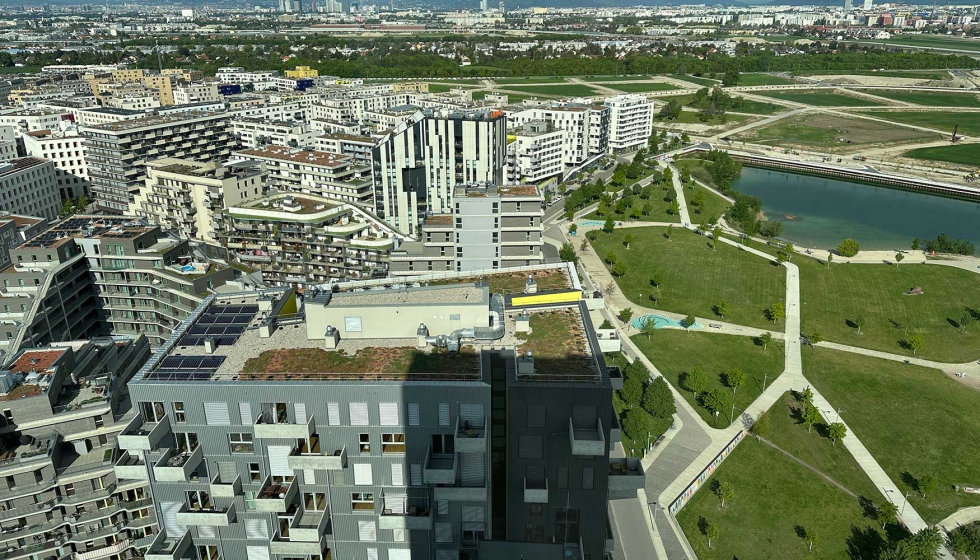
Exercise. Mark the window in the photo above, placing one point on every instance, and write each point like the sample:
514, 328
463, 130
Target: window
566, 525
254, 472
535, 510
364, 442
153, 411
315, 501
362, 502
443, 444
393, 443
186, 441
241, 443
358, 414
99, 422
198, 500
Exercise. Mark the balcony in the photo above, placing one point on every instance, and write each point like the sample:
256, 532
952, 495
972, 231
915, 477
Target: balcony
223, 489
402, 512
615, 431
536, 492
587, 442
310, 456
130, 467
290, 547
165, 548
143, 436
113, 548
275, 497
309, 526
471, 438
207, 515
625, 478
271, 426
616, 378
178, 466
439, 469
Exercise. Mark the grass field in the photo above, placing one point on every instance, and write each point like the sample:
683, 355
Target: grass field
564, 90
932, 42
915, 74
511, 97
820, 98
602, 79
695, 277
691, 117
19, 69
530, 80
714, 205
748, 106
774, 498
915, 421
830, 132
442, 88
696, 80
675, 352
658, 209
965, 154
643, 88
931, 98
834, 297
969, 122
763, 80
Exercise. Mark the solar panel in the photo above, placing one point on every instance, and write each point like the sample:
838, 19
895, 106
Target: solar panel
191, 340
242, 319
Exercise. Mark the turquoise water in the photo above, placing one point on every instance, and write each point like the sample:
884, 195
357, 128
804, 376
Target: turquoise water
659, 321
819, 212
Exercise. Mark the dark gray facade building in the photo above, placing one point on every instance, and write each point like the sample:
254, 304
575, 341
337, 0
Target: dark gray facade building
391, 424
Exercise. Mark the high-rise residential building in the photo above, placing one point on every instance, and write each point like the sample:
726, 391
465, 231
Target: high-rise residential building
358, 147
29, 186
491, 227
302, 240
418, 165
197, 92
535, 153
411, 422
88, 276
118, 151
315, 172
67, 151
258, 133
188, 197
64, 405
587, 127
630, 122
8, 144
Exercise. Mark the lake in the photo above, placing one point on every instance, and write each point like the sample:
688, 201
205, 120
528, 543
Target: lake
819, 212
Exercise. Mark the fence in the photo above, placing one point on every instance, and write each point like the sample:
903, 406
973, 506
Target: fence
693, 487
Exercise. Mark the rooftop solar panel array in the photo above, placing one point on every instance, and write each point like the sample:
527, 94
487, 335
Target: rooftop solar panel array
188, 368
224, 323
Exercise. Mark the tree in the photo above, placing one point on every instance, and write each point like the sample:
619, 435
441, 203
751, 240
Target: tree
815, 338
670, 231
836, 431
915, 343
915, 244
570, 214
859, 322
716, 237
765, 338
674, 208
573, 229
658, 400
830, 259
899, 257
776, 312
606, 324
689, 321
584, 246
567, 253
770, 228
602, 209
809, 537
698, 201
805, 397
731, 78
849, 247
628, 240
761, 425
926, 484
695, 380
637, 423
965, 321
648, 328
685, 139
722, 308
82, 203
619, 269
686, 178
724, 491
735, 379
810, 416
646, 209
626, 314
611, 257
632, 391
886, 513
668, 176
711, 532
609, 225
717, 401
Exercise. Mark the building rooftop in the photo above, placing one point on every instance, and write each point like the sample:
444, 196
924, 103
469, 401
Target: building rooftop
348, 137
288, 203
211, 169
311, 157
117, 227
152, 121
20, 164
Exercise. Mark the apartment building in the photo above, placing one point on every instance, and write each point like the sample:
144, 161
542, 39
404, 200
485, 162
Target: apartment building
88, 276
587, 127
133, 99
66, 149
535, 152
163, 85
630, 122
29, 186
94, 116
182, 74
14, 230
188, 197
263, 108
356, 146
302, 241
197, 92
238, 75
257, 133
27, 120
418, 165
8, 144
64, 406
314, 172
491, 228
302, 72
118, 152
273, 438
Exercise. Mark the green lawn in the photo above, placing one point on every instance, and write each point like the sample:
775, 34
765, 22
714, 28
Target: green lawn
820, 98
658, 210
834, 297
916, 74
530, 80
774, 498
603, 79
747, 106
763, 80
675, 352
714, 205
831, 132
966, 154
914, 420
694, 276
442, 88
932, 42
566, 90
643, 88
696, 80
19, 69
691, 117
969, 122
511, 97
930, 98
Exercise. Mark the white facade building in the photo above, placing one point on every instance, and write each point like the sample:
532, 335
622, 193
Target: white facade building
196, 93
30, 186
67, 151
630, 122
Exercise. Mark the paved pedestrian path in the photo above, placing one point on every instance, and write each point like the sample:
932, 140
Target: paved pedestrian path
961, 517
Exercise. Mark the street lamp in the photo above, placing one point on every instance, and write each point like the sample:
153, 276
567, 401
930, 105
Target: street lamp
731, 416
905, 502
839, 410
765, 377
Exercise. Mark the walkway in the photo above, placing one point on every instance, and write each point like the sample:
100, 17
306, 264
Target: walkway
961, 517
